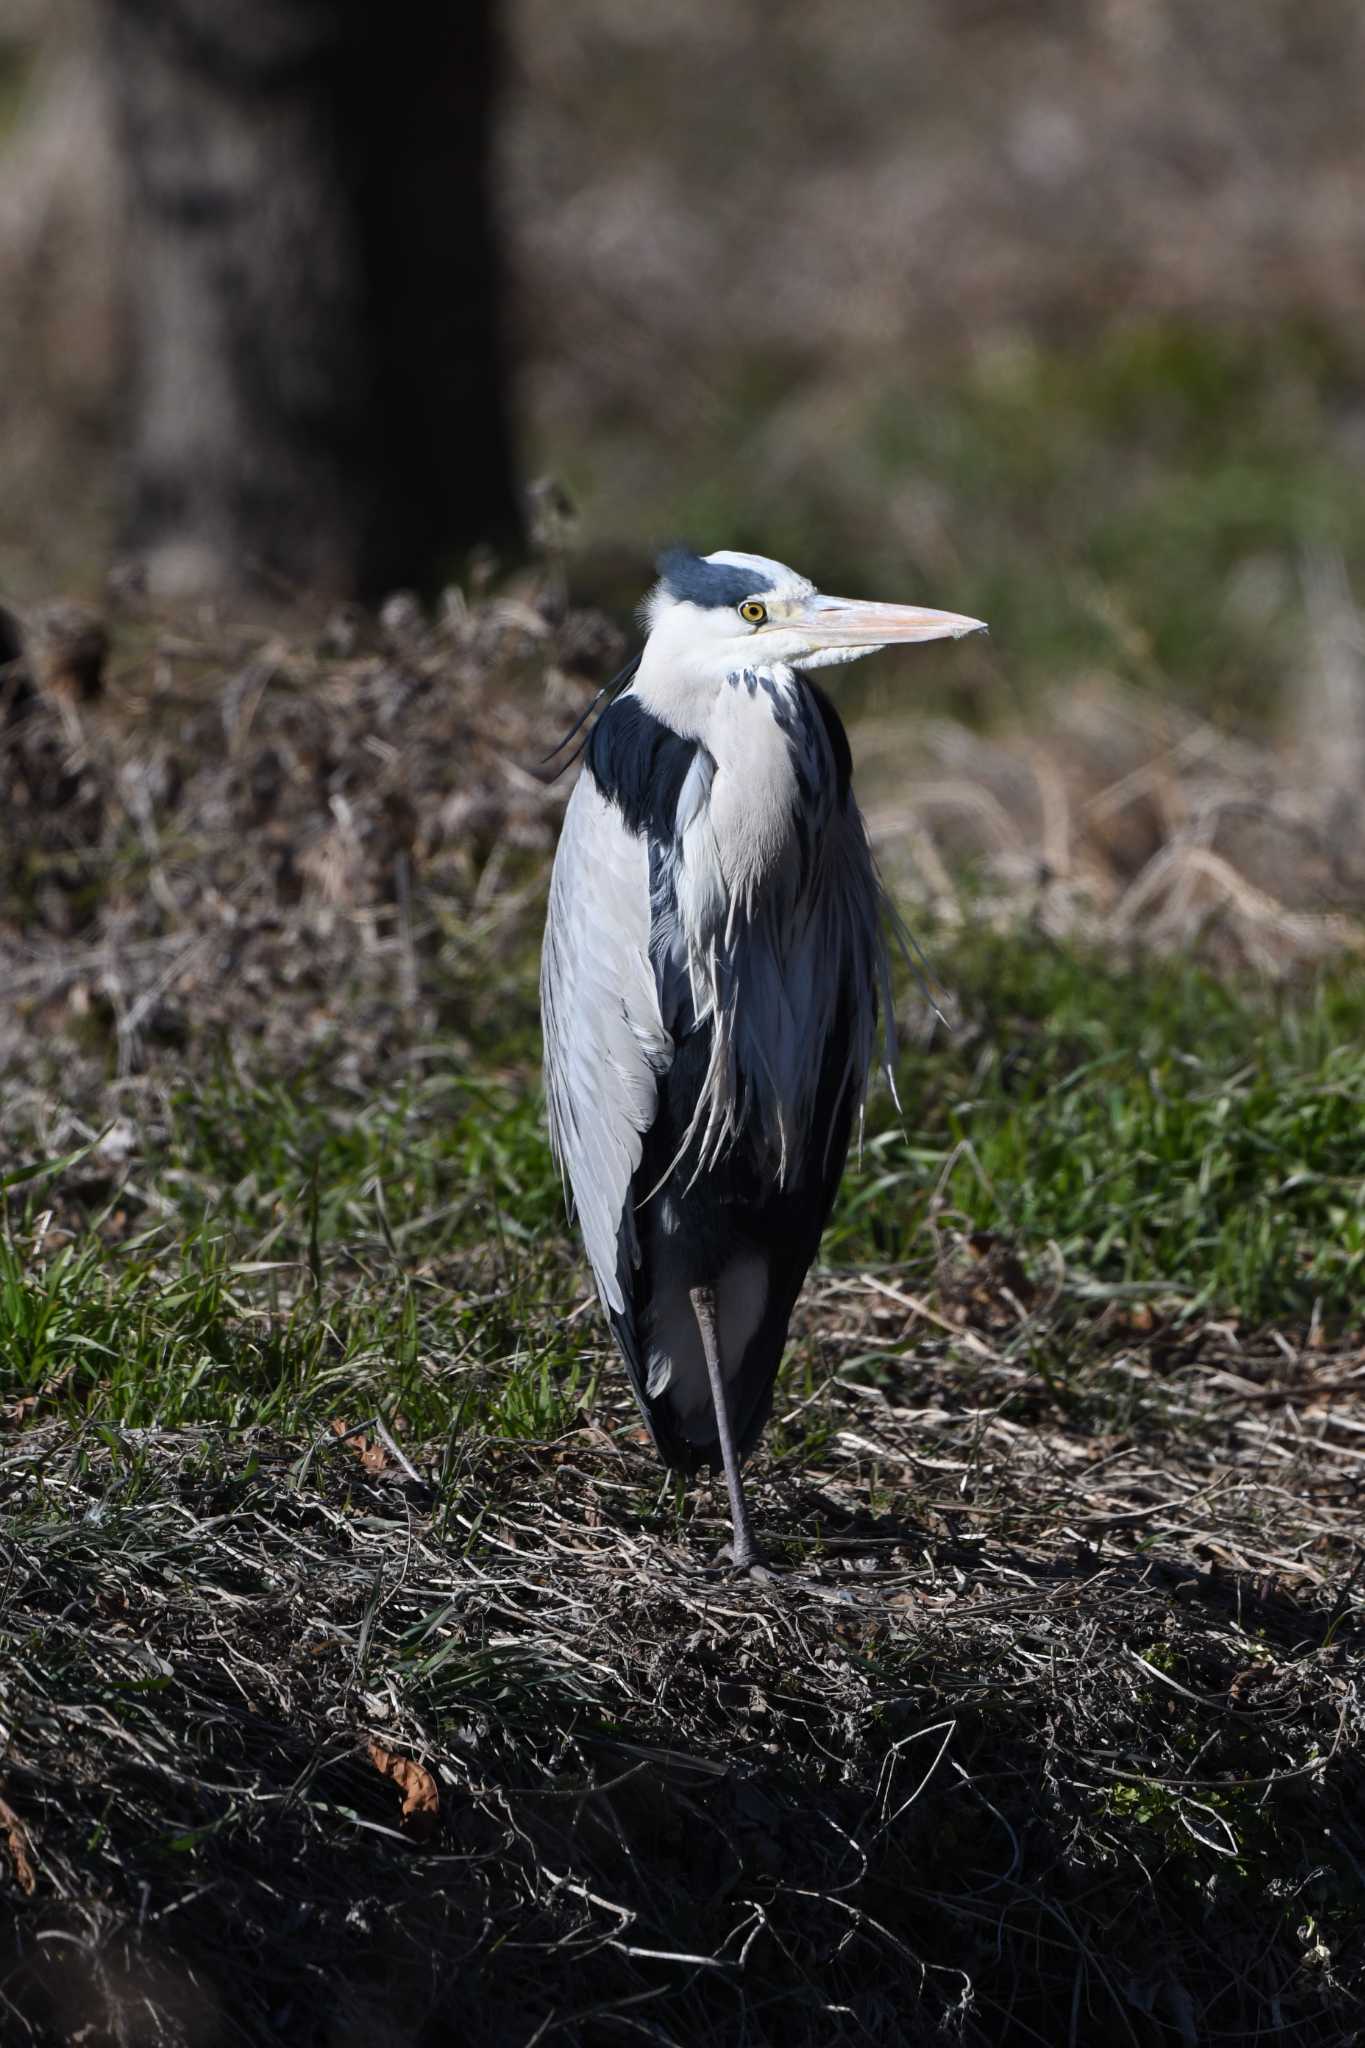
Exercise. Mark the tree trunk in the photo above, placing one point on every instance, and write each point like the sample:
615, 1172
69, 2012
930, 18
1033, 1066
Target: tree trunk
317, 395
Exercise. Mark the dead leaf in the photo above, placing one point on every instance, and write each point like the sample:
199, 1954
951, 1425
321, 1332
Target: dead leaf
1253, 1679
421, 1799
16, 1841
371, 1455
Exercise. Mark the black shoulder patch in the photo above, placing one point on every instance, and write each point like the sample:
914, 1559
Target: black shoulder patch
693, 580
838, 740
640, 765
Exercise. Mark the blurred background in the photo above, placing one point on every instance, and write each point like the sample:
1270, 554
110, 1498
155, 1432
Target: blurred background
1049, 311
1052, 305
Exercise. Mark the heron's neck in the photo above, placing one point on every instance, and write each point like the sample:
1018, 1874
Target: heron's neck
752, 727
755, 793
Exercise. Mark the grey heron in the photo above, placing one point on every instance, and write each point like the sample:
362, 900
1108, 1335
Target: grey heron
715, 958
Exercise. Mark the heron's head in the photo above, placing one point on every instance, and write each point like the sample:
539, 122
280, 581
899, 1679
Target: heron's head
711, 615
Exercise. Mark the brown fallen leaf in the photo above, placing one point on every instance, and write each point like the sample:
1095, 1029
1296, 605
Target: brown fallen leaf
421, 1799
16, 1841
371, 1455
1254, 1679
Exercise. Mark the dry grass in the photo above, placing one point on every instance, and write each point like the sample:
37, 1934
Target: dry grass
256, 831
1117, 817
262, 833
1055, 1730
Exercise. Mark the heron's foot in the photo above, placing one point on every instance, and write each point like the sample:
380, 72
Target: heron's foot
746, 1561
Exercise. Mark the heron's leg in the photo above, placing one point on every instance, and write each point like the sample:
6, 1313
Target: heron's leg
745, 1551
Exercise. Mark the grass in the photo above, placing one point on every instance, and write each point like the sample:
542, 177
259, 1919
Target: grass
282, 1239
1147, 1127
1146, 504
1142, 504
322, 1489
288, 1257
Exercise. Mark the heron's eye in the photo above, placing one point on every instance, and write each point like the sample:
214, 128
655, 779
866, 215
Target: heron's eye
753, 611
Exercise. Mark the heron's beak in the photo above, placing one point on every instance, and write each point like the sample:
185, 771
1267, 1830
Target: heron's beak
847, 622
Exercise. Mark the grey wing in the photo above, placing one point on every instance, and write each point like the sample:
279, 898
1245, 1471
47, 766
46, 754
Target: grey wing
605, 1041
